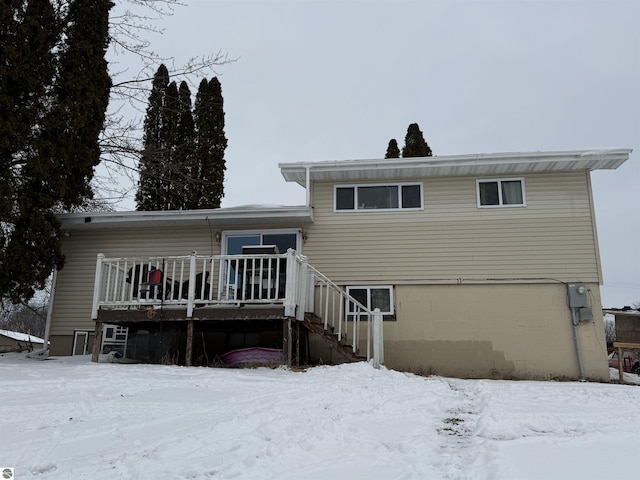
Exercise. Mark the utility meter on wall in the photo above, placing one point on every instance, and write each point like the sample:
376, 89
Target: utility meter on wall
577, 295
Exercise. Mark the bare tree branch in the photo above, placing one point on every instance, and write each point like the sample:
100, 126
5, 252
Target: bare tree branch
132, 25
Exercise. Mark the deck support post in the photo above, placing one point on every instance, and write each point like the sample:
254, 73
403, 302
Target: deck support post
291, 287
287, 340
97, 285
192, 284
189, 350
297, 344
97, 342
620, 365
378, 339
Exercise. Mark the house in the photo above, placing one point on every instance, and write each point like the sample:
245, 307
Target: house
480, 265
11, 341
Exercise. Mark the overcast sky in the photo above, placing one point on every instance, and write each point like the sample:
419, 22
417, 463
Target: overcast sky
335, 80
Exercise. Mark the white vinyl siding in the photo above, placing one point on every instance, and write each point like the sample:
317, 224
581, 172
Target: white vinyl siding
451, 239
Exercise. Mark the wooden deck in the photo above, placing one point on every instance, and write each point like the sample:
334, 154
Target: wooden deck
178, 314
265, 294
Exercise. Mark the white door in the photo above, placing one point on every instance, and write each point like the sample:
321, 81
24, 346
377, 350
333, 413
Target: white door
81, 343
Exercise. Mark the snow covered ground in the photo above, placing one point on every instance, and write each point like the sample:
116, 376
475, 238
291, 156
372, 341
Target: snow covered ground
68, 418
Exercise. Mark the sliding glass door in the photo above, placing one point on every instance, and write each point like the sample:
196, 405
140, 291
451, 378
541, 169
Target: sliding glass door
242, 280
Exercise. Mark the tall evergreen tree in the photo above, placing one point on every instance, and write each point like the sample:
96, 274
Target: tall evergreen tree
54, 91
415, 144
211, 144
392, 149
28, 35
149, 193
68, 149
183, 163
169, 133
27, 39
184, 154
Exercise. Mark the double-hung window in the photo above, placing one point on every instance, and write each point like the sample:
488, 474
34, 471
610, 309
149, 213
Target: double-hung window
372, 297
504, 192
378, 197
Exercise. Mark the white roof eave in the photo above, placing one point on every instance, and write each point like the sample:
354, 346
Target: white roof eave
455, 165
233, 216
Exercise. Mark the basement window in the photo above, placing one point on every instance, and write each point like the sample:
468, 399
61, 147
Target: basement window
506, 192
374, 296
403, 196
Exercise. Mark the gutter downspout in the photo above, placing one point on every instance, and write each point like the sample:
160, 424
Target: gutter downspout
43, 354
308, 184
577, 343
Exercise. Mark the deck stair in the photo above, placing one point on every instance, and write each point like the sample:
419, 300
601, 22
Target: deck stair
315, 325
214, 284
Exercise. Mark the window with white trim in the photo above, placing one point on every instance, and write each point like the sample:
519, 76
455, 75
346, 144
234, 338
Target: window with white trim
372, 296
378, 197
234, 240
504, 192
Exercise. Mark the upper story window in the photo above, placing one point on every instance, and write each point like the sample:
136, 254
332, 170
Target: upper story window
505, 192
378, 197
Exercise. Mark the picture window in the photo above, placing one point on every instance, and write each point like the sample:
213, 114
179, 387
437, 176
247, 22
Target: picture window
378, 197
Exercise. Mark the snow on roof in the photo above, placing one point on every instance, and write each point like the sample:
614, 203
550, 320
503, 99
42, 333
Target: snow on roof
21, 337
622, 311
255, 206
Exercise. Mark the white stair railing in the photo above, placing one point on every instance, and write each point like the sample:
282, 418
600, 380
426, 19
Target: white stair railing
315, 293
195, 280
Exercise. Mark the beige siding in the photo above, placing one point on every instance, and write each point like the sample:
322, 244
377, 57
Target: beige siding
74, 288
466, 298
61, 345
501, 331
453, 240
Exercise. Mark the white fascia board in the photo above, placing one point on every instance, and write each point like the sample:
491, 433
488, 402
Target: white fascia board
455, 165
245, 215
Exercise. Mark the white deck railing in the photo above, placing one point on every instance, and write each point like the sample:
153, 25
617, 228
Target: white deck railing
227, 280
